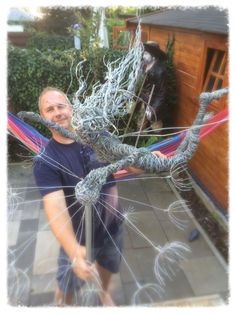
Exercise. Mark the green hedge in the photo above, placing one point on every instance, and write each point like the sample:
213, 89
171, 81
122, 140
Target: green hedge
30, 70
44, 41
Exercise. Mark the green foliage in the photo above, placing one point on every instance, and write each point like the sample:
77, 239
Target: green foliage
145, 142
116, 16
128, 11
115, 11
29, 26
88, 31
31, 70
56, 20
171, 76
98, 58
44, 41
110, 22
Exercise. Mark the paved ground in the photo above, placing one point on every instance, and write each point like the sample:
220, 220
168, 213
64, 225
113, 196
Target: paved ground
33, 249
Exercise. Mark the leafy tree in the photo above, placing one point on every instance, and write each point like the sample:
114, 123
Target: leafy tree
56, 20
88, 22
125, 12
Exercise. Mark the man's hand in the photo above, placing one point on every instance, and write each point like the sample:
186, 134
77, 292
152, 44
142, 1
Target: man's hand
158, 154
83, 268
60, 222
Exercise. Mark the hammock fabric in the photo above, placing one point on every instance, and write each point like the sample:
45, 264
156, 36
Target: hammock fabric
35, 141
26, 134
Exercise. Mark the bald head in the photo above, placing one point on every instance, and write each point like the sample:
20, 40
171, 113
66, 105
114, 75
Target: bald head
48, 92
55, 107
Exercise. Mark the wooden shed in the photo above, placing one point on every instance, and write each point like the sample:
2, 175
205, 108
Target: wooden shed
201, 63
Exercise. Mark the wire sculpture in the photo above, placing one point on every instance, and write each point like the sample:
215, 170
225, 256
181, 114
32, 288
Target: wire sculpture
94, 124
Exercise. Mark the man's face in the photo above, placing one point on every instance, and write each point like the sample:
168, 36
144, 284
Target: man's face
55, 107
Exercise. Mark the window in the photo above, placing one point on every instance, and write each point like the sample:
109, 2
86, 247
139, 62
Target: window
214, 70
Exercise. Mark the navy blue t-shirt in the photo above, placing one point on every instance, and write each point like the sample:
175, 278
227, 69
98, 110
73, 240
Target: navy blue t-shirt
62, 166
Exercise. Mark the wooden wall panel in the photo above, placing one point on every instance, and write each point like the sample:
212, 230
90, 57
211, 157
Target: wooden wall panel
186, 78
160, 36
210, 163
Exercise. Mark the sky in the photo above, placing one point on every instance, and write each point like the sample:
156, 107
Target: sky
24, 3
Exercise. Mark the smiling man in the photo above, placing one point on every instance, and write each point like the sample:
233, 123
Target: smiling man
57, 170
55, 106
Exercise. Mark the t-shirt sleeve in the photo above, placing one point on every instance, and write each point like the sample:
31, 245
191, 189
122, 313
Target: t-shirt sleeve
48, 178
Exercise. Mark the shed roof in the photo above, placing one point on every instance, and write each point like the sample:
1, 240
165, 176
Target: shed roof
208, 19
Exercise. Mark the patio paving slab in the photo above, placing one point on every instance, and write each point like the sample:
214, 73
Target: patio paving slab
46, 253
205, 275
13, 231
199, 247
42, 299
29, 213
204, 301
177, 287
150, 228
116, 290
29, 225
25, 251
200, 275
43, 283
130, 268
131, 195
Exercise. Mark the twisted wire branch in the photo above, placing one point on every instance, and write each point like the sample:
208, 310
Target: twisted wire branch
110, 149
92, 119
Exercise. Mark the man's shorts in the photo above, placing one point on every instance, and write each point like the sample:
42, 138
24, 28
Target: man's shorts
108, 256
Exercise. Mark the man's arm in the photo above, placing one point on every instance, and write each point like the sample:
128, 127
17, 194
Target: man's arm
60, 222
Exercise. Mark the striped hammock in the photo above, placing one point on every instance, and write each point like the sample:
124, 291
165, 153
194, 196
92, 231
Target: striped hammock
33, 140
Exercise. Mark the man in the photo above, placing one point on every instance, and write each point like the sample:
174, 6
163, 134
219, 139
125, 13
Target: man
57, 170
